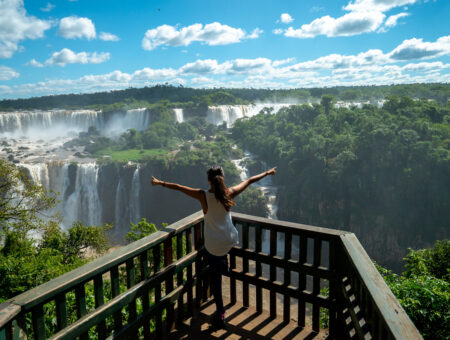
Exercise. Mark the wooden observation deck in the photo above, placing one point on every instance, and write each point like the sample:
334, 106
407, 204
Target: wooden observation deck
287, 281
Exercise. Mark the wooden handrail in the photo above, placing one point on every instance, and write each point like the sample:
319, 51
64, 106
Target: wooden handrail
398, 323
356, 289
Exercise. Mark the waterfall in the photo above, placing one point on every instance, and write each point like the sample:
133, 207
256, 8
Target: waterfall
178, 115
84, 203
135, 211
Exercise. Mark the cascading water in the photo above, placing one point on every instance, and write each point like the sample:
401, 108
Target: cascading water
178, 115
135, 211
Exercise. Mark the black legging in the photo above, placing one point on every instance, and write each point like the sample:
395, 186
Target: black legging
217, 266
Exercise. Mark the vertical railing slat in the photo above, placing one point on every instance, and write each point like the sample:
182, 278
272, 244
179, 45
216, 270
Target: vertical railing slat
145, 272
245, 286
115, 290
99, 300
131, 280
332, 284
303, 250
38, 322
190, 298
258, 269
80, 305
316, 284
198, 264
273, 273
158, 317
61, 311
287, 276
168, 259
180, 281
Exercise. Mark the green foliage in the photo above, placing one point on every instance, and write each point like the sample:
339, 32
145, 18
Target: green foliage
423, 289
252, 202
140, 230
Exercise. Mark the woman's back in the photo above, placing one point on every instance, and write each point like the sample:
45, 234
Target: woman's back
220, 233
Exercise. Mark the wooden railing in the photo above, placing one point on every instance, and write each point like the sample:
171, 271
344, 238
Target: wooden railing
145, 288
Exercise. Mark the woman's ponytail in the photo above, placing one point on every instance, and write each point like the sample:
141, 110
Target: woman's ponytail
216, 176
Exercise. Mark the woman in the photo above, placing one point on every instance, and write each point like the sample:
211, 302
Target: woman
219, 231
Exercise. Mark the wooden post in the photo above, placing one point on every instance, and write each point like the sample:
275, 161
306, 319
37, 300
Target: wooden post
158, 317
145, 272
190, 298
169, 282
303, 250
115, 290
287, 277
258, 271
245, 287
273, 273
198, 263
99, 300
316, 284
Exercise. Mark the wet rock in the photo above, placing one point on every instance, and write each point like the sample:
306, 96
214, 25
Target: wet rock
10, 158
24, 148
5, 143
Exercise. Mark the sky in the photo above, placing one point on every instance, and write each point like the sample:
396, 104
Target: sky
82, 46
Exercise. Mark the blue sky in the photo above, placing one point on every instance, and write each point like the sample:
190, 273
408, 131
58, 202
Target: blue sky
67, 46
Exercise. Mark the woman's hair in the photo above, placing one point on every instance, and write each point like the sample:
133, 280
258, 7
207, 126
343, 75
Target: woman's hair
216, 177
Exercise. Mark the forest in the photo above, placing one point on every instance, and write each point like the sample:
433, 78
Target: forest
381, 172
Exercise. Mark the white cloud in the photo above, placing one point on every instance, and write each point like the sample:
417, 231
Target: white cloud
16, 25
47, 8
33, 62
417, 49
108, 36
368, 67
350, 24
74, 27
285, 18
7, 73
392, 20
201, 67
376, 5
66, 56
210, 34
255, 33
277, 31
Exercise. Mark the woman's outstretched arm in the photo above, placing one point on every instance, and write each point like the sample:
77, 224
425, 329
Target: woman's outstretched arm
237, 189
198, 194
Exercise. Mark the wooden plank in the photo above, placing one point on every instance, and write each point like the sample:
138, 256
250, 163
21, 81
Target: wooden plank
303, 249
158, 317
284, 226
245, 242
38, 322
386, 305
168, 252
145, 273
333, 289
8, 311
233, 297
80, 298
131, 280
273, 273
68, 281
99, 300
115, 291
3, 331
190, 296
258, 268
61, 311
279, 287
316, 284
287, 277
180, 304
198, 244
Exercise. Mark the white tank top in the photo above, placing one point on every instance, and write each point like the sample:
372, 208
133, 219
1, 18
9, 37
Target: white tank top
220, 233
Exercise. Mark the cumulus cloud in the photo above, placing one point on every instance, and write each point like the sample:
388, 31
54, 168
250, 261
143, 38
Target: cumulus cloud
16, 25
108, 36
392, 20
33, 62
364, 16
368, 67
277, 31
255, 33
350, 24
7, 73
66, 56
210, 34
418, 49
47, 8
285, 18
377, 5
74, 27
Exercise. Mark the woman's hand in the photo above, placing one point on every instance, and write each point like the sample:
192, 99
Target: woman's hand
272, 171
156, 181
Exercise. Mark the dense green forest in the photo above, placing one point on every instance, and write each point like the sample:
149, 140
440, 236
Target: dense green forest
190, 97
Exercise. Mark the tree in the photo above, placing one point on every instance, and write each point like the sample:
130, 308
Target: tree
23, 204
327, 102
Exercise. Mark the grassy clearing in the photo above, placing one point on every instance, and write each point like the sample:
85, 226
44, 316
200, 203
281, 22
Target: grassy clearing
131, 154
